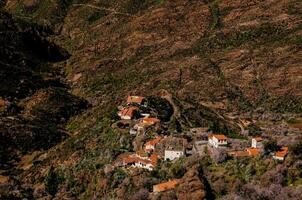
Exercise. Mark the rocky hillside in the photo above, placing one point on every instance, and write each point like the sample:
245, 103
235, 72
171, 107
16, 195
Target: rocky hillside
34, 98
214, 59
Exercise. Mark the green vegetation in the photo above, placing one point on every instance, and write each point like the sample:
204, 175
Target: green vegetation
296, 150
271, 146
52, 181
215, 16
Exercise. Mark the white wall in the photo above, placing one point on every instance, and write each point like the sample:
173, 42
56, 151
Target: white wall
172, 154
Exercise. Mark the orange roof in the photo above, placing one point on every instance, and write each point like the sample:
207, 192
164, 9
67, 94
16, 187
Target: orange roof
128, 111
282, 153
154, 158
258, 139
150, 120
166, 186
253, 151
239, 153
219, 136
135, 99
133, 158
154, 141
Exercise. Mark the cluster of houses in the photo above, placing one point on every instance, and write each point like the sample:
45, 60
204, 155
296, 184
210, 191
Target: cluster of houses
256, 149
139, 122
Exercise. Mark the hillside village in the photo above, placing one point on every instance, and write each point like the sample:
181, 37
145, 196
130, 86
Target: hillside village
159, 145
151, 99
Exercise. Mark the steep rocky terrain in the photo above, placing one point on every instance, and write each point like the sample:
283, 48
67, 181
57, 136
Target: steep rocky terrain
215, 58
35, 99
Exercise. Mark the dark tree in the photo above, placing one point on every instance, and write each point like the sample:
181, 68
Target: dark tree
271, 146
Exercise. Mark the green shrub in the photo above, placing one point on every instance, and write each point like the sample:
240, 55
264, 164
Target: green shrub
296, 150
271, 146
52, 181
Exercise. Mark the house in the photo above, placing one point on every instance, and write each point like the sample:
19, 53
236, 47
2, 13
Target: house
136, 100
151, 121
217, 140
139, 128
280, 155
143, 125
166, 185
238, 154
150, 145
257, 142
174, 153
249, 152
134, 160
253, 151
128, 113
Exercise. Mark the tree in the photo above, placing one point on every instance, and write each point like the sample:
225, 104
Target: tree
271, 146
296, 150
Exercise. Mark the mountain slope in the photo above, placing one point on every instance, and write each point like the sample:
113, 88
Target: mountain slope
216, 58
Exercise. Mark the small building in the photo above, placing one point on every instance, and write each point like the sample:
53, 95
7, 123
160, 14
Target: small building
151, 121
238, 154
257, 142
139, 128
128, 113
134, 160
217, 140
150, 145
280, 155
249, 152
174, 153
136, 100
253, 151
166, 185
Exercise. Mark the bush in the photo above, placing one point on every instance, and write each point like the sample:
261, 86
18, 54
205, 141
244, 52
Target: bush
52, 182
296, 150
271, 146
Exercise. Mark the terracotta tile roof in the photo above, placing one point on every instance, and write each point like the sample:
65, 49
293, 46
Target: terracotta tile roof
282, 153
128, 111
134, 158
219, 136
248, 152
135, 99
258, 139
154, 141
253, 151
239, 153
151, 121
154, 159
166, 186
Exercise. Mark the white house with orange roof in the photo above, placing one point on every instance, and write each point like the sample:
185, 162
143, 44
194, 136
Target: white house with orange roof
217, 140
134, 160
128, 113
257, 142
280, 155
